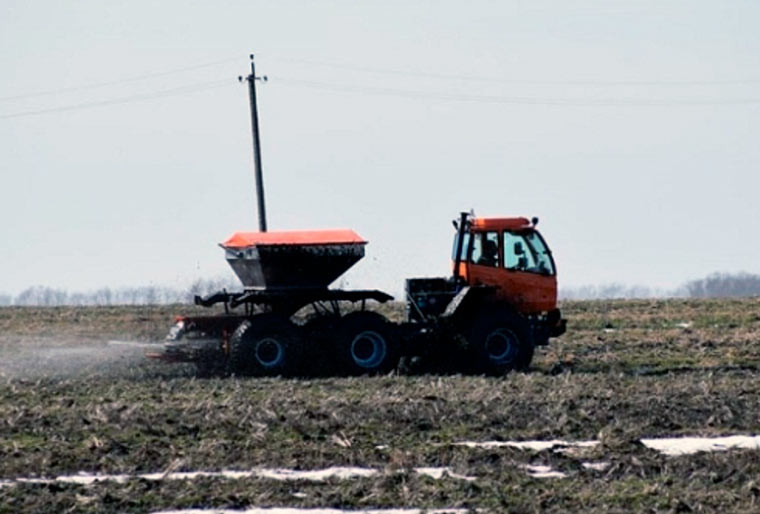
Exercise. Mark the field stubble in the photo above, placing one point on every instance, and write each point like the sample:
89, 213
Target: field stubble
626, 370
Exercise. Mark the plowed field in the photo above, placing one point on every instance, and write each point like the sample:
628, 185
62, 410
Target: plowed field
135, 432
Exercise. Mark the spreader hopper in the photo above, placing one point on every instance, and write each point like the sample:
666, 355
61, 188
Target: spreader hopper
304, 259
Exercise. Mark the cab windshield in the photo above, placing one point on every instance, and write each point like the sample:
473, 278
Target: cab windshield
527, 251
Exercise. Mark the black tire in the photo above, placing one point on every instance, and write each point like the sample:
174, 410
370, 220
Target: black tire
500, 342
366, 344
319, 353
211, 367
265, 345
526, 357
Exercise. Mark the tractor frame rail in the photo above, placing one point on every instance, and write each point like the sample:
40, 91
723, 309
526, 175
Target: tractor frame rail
289, 299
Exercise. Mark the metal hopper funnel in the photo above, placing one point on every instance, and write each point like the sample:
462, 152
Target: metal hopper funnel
304, 259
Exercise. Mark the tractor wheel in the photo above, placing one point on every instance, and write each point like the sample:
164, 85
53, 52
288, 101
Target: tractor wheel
499, 343
265, 345
366, 344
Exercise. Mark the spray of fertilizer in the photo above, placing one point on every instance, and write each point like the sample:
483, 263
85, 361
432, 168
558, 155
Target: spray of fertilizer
48, 357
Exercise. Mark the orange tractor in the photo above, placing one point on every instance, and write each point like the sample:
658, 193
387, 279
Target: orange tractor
488, 317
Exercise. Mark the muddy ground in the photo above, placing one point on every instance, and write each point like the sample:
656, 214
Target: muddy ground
70, 402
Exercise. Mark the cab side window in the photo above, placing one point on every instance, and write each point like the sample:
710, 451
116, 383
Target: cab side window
465, 247
517, 253
485, 249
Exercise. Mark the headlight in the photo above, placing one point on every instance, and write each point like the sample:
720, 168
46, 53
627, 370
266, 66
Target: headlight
176, 332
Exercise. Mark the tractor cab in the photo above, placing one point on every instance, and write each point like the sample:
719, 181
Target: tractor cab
509, 255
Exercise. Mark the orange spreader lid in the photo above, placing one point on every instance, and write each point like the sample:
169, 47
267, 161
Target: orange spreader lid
293, 237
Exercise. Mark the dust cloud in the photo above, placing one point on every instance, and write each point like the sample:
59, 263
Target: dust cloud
49, 357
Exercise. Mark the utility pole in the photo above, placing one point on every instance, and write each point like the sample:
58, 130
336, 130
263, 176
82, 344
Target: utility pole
252, 78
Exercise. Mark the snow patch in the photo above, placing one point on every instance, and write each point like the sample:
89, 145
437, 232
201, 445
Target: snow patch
670, 446
540, 471
536, 446
292, 510
667, 445
317, 475
689, 445
596, 466
440, 473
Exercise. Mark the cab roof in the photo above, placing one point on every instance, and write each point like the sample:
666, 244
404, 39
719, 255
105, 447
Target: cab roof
293, 237
501, 224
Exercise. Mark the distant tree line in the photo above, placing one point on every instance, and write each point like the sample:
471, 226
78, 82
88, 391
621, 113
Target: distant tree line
604, 291
717, 285
724, 285
145, 295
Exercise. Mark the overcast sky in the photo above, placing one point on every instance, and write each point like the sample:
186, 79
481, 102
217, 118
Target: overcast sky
630, 128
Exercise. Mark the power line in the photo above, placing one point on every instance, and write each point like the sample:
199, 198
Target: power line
499, 80
134, 78
401, 93
392, 72
191, 88
579, 102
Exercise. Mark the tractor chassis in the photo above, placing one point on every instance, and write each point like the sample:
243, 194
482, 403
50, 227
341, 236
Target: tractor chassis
202, 339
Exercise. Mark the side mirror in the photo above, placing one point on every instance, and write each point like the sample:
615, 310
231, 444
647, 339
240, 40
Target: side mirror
519, 248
